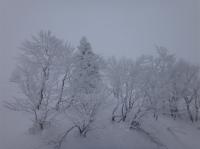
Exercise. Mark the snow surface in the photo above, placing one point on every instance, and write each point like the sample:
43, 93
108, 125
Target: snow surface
164, 133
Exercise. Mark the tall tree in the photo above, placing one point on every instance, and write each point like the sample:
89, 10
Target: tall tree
86, 85
37, 76
86, 76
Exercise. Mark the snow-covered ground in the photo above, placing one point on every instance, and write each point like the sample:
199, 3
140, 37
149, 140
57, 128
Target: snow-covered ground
164, 133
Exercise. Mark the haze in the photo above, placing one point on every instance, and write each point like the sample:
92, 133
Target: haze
120, 28
114, 27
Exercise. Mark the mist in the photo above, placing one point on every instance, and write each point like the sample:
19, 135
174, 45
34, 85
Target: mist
119, 28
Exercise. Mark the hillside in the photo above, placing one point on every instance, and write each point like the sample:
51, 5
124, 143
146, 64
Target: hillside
164, 133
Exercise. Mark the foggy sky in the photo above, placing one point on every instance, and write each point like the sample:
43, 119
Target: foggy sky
114, 27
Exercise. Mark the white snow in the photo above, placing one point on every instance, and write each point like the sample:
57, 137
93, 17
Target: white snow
168, 133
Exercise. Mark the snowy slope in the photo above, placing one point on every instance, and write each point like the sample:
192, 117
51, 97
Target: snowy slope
163, 133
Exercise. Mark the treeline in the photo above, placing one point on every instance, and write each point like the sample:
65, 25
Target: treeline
160, 84
55, 78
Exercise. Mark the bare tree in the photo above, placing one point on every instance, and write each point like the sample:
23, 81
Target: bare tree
37, 77
64, 66
187, 76
196, 92
125, 85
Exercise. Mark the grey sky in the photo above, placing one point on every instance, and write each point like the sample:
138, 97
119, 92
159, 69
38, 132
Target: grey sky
114, 27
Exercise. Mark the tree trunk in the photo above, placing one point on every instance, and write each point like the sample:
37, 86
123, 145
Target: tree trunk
124, 118
190, 113
61, 92
114, 111
41, 126
197, 114
83, 133
196, 107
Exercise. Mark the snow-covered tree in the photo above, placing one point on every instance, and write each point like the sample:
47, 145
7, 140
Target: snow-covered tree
142, 85
63, 67
125, 84
86, 87
162, 68
37, 76
154, 78
186, 78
